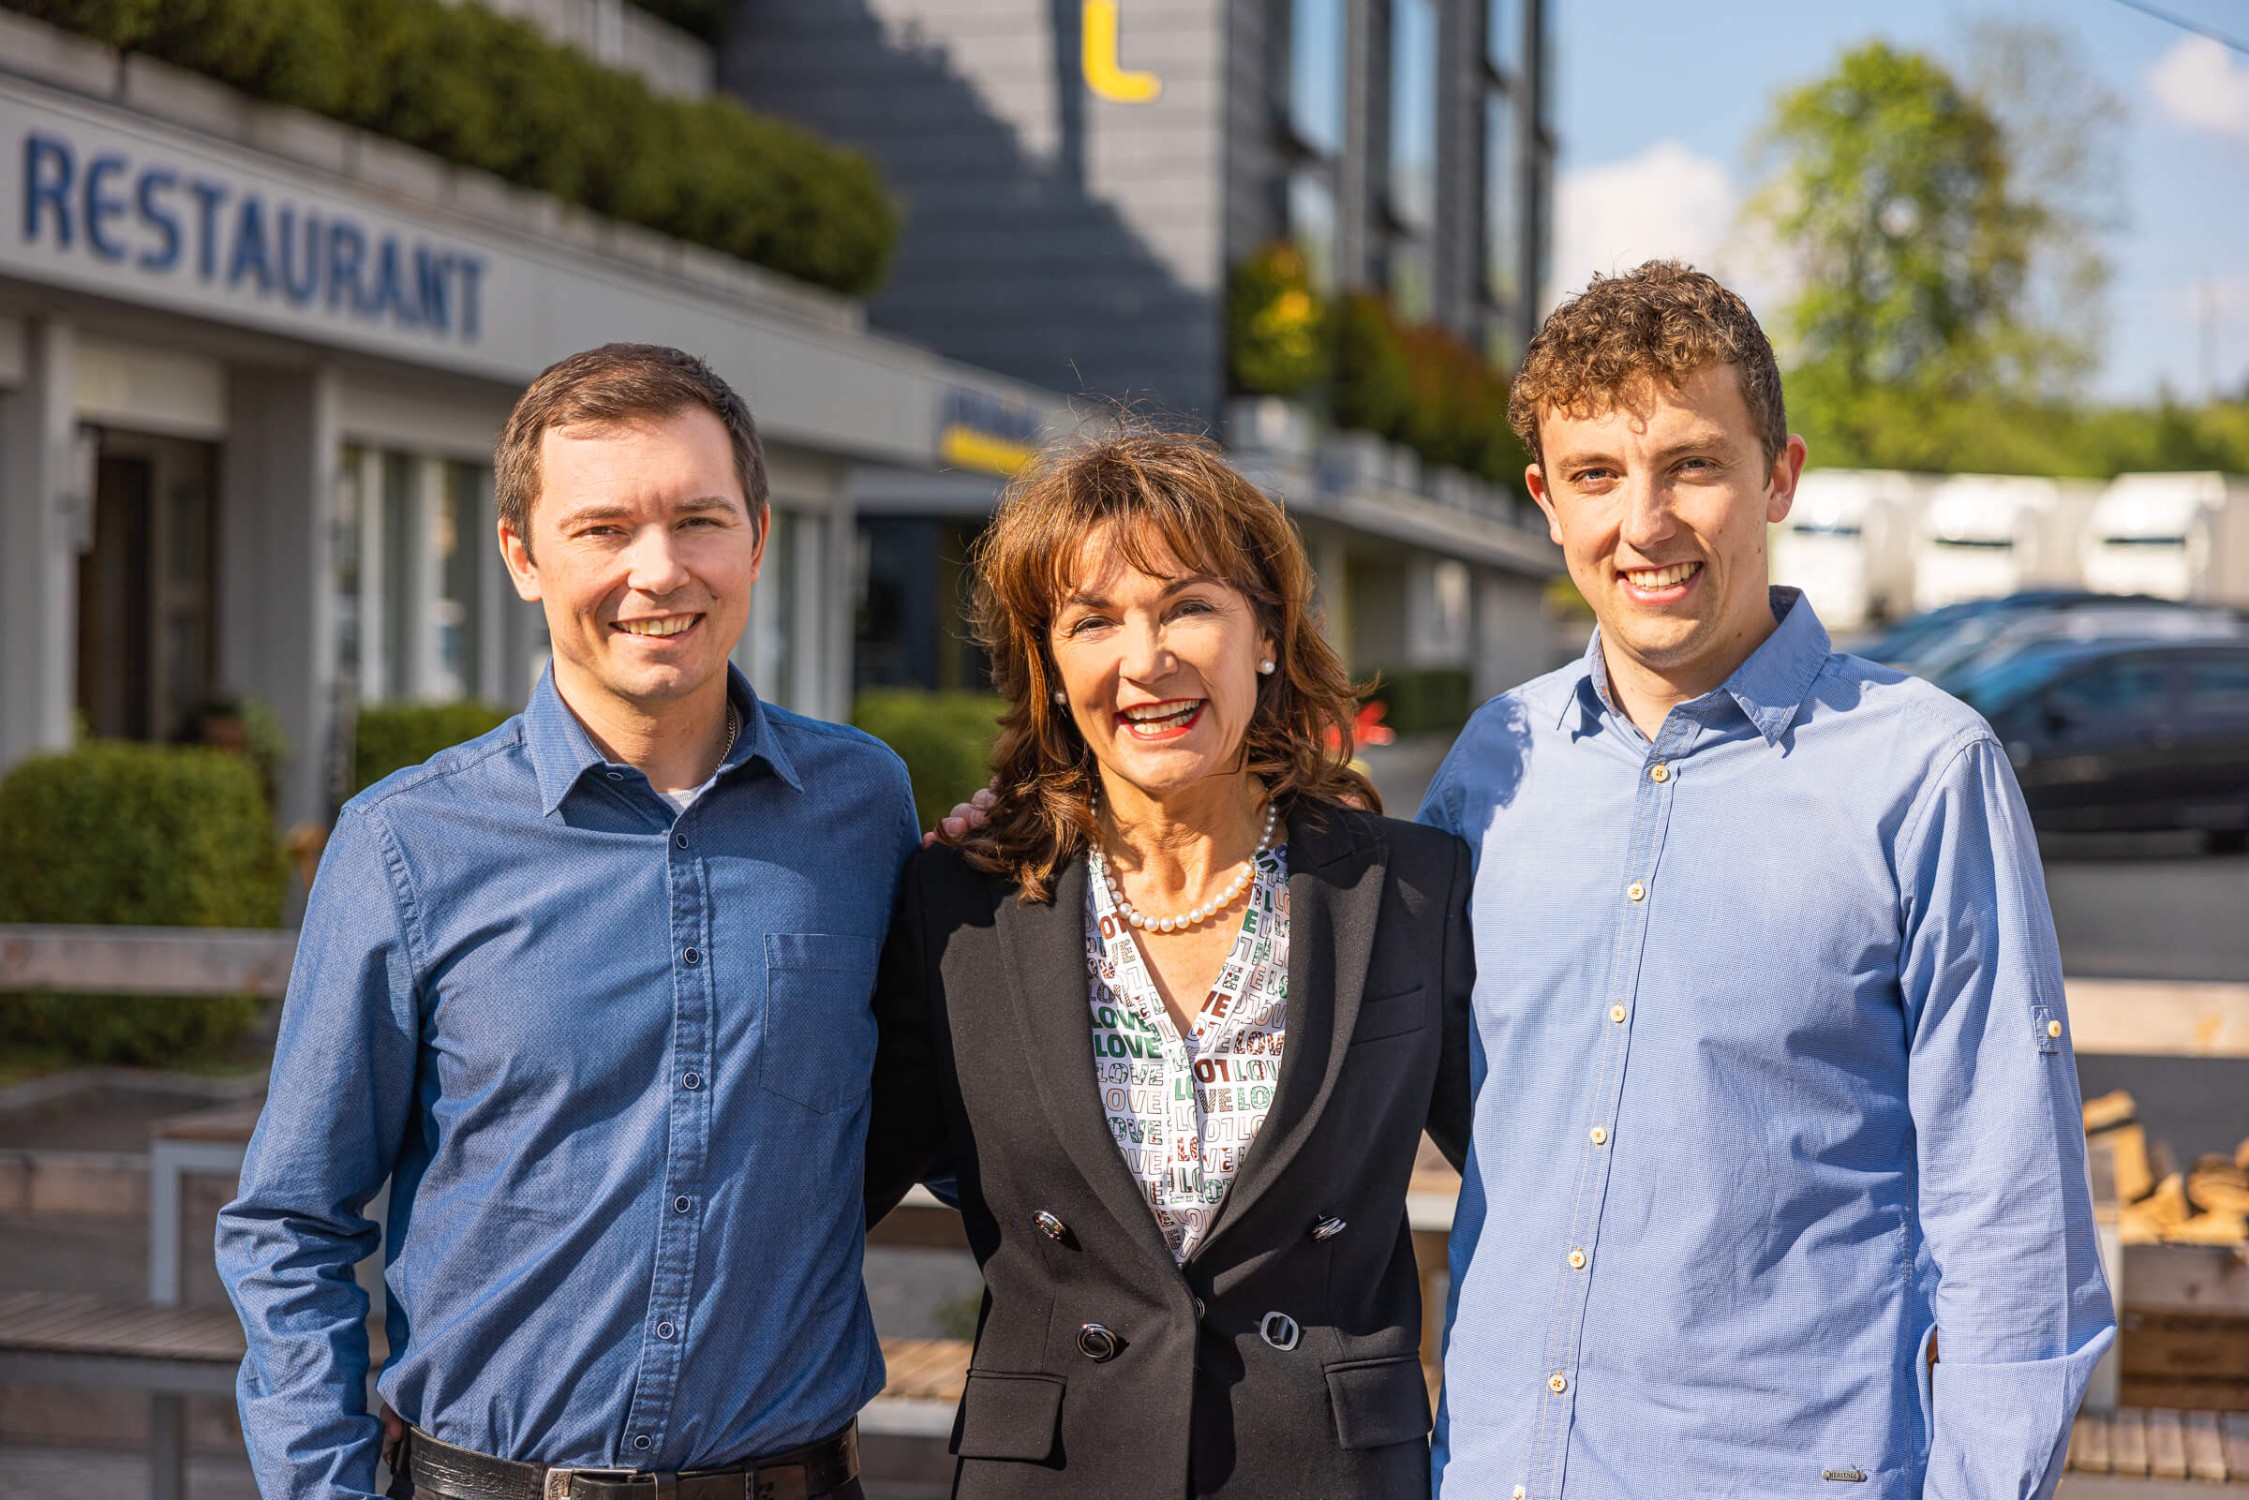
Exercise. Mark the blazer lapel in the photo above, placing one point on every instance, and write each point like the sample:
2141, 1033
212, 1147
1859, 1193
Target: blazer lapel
1336, 871
1045, 947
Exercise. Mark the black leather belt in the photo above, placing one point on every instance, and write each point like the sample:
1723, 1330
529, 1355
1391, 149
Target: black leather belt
816, 1469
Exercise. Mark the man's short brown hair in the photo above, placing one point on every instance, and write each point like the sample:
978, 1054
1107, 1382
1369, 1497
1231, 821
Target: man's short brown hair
1658, 323
618, 383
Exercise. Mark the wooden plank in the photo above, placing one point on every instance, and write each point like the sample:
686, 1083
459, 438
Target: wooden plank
2127, 1441
37, 1322
231, 1124
2156, 1019
2201, 1279
2233, 1430
2184, 1395
2206, 1453
2183, 1347
2088, 1443
2166, 1445
146, 960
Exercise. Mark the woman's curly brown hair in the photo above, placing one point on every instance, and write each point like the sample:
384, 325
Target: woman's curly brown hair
1164, 500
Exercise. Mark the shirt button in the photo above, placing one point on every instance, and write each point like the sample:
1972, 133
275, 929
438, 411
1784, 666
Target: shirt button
1616, 1014
665, 1330
642, 1441
680, 839
681, 1204
616, 775
1637, 891
1577, 1260
1659, 772
694, 1081
693, 956
1600, 1132
1520, 1493
1557, 1384
2054, 1029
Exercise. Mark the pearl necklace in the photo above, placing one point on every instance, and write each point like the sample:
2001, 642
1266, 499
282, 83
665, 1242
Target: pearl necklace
1190, 918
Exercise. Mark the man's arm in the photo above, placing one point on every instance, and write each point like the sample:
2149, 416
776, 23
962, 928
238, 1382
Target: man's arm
2022, 1310
335, 1114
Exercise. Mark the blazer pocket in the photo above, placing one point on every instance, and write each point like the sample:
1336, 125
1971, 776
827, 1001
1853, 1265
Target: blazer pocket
1390, 1015
818, 1047
1379, 1401
1008, 1416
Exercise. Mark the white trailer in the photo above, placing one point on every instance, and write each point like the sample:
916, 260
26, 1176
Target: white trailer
1986, 535
1848, 544
2176, 536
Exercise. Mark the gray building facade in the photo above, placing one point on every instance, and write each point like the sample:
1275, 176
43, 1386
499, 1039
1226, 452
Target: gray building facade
1080, 179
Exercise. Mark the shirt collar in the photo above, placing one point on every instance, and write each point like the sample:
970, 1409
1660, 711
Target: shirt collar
1769, 688
561, 751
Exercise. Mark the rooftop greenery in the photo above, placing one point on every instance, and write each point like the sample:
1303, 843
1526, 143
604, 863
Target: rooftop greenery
493, 92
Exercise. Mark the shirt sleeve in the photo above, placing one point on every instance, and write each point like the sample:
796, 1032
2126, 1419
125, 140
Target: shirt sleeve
335, 1115
2022, 1309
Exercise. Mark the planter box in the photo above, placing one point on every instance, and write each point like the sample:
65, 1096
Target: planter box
1272, 425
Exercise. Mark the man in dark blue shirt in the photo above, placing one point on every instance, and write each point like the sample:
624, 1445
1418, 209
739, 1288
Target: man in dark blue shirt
592, 994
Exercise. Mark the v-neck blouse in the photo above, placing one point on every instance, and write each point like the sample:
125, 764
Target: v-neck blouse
1184, 1109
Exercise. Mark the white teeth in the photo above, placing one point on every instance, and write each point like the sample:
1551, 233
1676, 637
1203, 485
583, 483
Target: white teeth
1159, 714
672, 625
1662, 578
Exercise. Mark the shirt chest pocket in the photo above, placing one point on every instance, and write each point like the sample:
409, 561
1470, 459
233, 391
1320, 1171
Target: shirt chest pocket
817, 1046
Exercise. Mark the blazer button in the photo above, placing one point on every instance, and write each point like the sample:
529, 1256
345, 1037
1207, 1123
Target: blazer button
1097, 1343
1327, 1229
1198, 1308
1279, 1330
1048, 1225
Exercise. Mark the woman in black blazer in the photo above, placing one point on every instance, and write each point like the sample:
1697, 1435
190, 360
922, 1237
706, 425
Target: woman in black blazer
1176, 1015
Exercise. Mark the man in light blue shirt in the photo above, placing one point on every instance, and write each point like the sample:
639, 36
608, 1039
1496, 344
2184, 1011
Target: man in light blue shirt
1777, 1176
593, 994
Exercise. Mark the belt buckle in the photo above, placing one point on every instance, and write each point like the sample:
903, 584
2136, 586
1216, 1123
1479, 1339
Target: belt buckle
780, 1482
555, 1483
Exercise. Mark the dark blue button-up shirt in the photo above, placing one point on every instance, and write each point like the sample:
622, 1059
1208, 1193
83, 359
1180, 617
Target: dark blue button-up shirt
614, 1063
1773, 1087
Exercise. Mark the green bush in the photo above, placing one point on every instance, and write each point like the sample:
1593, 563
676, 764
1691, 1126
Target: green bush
492, 92
1424, 700
1276, 340
945, 739
1373, 389
135, 835
392, 736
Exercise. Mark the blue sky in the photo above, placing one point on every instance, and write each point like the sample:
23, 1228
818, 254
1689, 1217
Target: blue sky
1659, 102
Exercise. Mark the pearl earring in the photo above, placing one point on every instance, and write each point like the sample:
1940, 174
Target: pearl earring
1265, 667
1060, 696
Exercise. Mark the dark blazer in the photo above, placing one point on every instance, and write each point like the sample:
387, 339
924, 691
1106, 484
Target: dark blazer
986, 1064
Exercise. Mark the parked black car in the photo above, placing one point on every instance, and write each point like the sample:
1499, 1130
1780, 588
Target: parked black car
2127, 735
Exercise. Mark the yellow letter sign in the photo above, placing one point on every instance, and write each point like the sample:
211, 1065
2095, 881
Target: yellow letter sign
1102, 74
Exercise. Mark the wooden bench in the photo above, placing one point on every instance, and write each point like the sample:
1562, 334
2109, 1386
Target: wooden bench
2196, 1447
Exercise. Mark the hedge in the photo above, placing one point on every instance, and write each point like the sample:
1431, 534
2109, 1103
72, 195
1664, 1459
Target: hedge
1424, 700
392, 736
493, 92
1373, 387
945, 740
135, 835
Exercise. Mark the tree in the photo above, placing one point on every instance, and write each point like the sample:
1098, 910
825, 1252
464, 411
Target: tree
1895, 192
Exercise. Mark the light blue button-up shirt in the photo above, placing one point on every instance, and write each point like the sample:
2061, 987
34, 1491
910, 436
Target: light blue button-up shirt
1773, 1086
615, 1062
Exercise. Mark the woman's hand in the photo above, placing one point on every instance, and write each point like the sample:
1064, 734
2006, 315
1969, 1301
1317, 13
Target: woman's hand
964, 819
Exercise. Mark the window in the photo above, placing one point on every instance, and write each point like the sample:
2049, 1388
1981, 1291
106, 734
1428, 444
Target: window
1503, 34
1315, 74
2113, 694
1311, 223
463, 568
1503, 233
1413, 111
2218, 686
1412, 282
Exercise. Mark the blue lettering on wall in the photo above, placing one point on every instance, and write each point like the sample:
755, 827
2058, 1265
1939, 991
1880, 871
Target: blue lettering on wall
267, 246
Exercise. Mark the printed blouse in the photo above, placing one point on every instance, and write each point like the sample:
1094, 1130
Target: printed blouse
1183, 1109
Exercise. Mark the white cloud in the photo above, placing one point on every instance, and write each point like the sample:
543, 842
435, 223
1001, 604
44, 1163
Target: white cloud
1667, 202
2199, 85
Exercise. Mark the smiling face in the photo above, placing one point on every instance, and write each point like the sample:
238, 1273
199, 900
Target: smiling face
1160, 669
1660, 507
642, 552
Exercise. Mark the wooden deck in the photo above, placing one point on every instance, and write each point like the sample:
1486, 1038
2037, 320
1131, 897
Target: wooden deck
2207, 1447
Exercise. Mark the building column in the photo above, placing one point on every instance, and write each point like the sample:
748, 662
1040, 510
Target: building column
46, 508
277, 593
